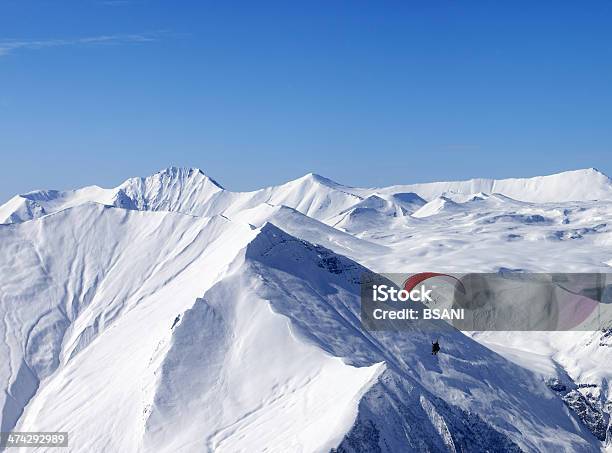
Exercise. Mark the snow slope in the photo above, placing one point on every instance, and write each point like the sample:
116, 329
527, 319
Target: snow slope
170, 314
70, 276
271, 356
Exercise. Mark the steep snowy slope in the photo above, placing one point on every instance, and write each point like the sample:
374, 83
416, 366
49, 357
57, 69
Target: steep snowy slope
70, 276
411, 374
272, 358
492, 232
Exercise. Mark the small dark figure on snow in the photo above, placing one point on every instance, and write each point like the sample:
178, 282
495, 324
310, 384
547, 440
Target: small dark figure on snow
435, 347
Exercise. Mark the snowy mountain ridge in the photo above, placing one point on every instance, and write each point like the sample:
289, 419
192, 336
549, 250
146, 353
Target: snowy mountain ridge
242, 310
190, 191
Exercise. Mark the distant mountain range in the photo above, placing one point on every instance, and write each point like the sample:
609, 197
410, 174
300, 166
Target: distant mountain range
190, 191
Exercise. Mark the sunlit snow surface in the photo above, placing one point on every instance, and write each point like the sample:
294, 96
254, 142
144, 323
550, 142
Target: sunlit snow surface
170, 314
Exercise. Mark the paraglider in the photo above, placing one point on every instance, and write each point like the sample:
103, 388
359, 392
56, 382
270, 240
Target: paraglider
435, 347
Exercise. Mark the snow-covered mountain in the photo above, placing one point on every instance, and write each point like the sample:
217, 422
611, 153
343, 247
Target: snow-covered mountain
190, 191
578, 185
171, 314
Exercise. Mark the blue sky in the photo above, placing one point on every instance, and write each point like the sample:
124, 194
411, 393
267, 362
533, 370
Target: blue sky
256, 93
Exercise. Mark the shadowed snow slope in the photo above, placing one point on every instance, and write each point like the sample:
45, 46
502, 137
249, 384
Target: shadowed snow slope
468, 378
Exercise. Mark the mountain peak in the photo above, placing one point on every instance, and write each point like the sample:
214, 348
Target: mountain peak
592, 170
316, 178
171, 189
184, 173
584, 172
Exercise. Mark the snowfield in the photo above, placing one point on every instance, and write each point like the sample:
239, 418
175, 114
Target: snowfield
169, 314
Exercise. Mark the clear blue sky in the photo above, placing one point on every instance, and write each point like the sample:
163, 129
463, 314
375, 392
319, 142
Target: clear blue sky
255, 93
